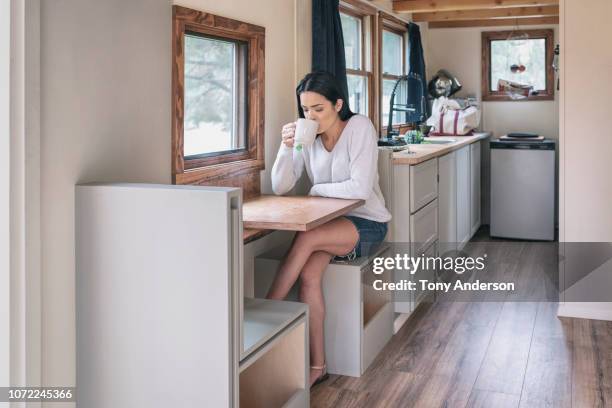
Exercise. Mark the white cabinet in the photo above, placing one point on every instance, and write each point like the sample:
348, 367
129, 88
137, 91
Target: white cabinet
159, 301
447, 202
474, 188
435, 207
463, 196
410, 193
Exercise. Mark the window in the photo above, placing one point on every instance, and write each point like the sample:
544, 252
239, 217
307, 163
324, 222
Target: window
517, 65
356, 19
356, 76
392, 69
393, 60
215, 76
218, 96
375, 50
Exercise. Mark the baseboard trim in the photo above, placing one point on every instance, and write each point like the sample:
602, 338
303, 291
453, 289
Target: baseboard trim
586, 310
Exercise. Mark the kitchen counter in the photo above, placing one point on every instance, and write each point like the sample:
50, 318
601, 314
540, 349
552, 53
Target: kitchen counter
418, 153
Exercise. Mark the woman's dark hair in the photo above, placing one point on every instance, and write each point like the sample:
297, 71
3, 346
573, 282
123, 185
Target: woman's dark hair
325, 84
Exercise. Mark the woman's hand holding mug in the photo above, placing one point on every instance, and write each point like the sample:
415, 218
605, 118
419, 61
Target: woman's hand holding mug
288, 134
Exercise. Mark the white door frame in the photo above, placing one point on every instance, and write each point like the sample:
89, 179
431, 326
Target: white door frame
21, 180
5, 187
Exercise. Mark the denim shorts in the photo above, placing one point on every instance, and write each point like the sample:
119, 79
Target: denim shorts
371, 234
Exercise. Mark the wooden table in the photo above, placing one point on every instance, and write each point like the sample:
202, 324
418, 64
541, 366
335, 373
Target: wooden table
291, 213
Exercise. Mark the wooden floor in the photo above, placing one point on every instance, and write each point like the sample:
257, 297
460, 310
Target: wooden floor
491, 354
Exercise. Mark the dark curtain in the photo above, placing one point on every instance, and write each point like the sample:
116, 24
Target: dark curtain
328, 42
417, 94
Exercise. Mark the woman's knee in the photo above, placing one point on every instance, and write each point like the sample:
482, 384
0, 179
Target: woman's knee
308, 240
309, 278
312, 273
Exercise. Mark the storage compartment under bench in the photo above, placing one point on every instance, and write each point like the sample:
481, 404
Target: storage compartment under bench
276, 375
358, 320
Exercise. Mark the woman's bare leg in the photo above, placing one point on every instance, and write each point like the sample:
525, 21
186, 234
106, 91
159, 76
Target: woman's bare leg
312, 294
308, 258
336, 237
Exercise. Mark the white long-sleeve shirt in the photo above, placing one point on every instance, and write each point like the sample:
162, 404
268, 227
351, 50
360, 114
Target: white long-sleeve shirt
349, 171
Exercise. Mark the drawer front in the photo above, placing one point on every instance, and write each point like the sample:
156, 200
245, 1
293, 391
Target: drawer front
423, 274
424, 227
423, 184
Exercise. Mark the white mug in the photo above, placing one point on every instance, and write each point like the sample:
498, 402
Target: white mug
305, 132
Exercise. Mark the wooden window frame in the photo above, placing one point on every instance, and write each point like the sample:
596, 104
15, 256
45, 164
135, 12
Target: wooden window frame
219, 169
547, 94
392, 24
357, 9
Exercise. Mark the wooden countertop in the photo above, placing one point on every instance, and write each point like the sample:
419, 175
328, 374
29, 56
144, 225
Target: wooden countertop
293, 213
418, 153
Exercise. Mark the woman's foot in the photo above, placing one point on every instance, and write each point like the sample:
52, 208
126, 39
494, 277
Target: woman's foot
318, 374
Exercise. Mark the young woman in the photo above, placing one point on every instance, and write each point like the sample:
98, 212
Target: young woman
341, 163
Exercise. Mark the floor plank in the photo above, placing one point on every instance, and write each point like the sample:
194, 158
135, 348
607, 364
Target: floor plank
454, 374
328, 397
548, 376
592, 375
423, 348
488, 399
394, 389
504, 366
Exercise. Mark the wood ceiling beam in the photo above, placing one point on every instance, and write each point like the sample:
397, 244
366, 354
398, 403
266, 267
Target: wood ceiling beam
510, 12
423, 6
494, 22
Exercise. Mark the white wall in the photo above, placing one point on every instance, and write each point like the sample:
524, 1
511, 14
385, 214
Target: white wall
586, 143
106, 89
459, 50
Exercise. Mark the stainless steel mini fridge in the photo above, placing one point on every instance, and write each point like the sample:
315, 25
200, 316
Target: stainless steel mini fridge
523, 189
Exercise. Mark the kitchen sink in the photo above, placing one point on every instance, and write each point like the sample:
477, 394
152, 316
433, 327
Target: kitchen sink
439, 140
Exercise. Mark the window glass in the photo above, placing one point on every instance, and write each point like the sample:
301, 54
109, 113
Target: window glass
400, 97
521, 61
392, 53
351, 31
213, 80
357, 88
